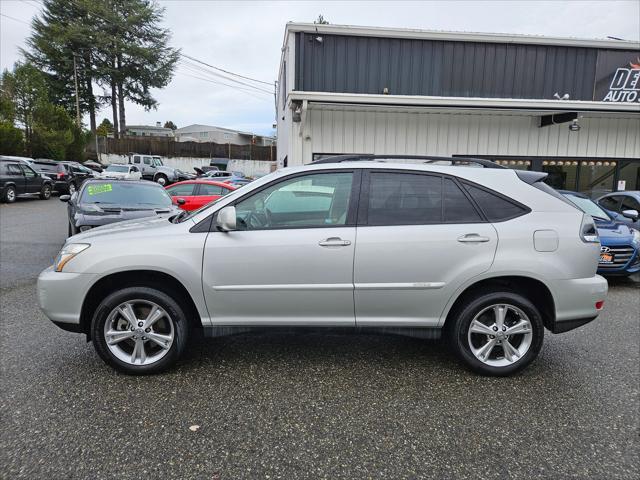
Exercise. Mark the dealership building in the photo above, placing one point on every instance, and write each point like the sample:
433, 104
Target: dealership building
566, 106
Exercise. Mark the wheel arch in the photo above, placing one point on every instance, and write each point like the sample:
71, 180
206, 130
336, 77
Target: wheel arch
532, 288
145, 278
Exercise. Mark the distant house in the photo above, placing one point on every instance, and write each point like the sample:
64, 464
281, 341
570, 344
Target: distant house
149, 131
209, 133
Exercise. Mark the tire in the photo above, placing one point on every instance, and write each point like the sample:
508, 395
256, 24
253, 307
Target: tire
162, 179
9, 195
72, 188
132, 352
45, 192
507, 354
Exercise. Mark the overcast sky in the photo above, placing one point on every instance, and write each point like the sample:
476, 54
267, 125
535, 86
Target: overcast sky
245, 37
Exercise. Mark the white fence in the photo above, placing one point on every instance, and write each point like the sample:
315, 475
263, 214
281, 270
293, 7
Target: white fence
250, 168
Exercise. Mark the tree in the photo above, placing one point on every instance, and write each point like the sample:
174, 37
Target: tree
11, 139
25, 88
53, 132
65, 30
171, 125
320, 20
105, 128
138, 57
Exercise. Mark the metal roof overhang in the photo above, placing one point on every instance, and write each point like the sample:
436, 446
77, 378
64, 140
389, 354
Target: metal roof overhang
463, 103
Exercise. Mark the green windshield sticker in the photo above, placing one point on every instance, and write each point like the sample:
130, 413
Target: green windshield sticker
102, 188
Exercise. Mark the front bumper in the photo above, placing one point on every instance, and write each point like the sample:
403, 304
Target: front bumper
61, 294
575, 300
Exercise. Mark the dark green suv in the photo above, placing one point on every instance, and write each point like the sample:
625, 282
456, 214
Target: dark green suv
18, 178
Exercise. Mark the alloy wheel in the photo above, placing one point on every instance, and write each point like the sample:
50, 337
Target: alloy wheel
500, 335
139, 332
11, 195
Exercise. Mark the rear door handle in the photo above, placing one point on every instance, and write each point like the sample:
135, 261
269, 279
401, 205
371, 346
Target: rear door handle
334, 242
473, 238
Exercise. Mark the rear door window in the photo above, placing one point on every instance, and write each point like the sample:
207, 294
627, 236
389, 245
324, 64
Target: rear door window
404, 199
457, 207
14, 169
495, 207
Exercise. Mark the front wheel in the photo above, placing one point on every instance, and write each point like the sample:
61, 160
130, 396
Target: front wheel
45, 192
162, 179
497, 333
139, 330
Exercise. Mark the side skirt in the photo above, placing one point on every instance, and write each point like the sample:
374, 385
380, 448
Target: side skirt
424, 333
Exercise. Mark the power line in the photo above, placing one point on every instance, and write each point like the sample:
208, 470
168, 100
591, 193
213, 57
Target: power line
226, 71
217, 75
15, 19
247, 92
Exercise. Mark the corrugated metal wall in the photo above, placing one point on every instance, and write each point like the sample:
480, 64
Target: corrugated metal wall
348, 129
352, 64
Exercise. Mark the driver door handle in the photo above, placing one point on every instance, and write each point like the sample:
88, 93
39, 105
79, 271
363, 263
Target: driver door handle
473, 238
334, 242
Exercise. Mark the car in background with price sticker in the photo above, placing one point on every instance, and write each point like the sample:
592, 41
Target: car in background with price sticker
101, 202
619, 243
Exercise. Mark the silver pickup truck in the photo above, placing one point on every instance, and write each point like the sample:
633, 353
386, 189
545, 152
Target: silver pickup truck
153, 169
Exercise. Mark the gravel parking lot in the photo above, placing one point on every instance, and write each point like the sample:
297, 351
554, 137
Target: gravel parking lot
305, 406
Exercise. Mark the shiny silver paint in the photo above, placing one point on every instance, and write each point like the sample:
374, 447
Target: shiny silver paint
345, 276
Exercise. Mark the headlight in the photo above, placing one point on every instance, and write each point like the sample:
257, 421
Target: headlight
67, 253
636, 236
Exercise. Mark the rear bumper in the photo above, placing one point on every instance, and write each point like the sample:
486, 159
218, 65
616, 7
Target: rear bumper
60, 295
575, 300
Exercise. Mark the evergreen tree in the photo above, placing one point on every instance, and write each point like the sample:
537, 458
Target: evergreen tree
170, 125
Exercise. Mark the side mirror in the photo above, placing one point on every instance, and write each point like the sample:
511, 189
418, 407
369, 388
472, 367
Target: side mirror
181, 201
65, 198
226, 219
632, 214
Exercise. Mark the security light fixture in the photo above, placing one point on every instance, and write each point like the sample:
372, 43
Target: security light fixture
575, 126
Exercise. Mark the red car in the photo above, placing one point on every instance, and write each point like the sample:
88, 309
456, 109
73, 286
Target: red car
197, 193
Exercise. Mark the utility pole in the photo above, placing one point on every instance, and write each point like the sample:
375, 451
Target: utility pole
75, 78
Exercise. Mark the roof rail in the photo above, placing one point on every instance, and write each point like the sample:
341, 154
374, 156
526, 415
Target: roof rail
424, 158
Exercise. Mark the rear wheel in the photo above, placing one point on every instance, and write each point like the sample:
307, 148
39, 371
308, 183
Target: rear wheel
497, 333
9, 195
140, 330
45, 192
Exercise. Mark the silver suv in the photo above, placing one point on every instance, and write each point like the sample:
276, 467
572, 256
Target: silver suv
488, 257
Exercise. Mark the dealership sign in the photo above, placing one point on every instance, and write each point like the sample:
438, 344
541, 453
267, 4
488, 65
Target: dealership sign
617, 78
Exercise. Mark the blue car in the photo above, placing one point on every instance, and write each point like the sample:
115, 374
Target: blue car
620, 244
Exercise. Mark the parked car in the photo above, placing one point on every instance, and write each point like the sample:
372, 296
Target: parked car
488, 257
152, 168
620, 244
623, 206
103, 202
234, 178
66, 178
81, 170
196, 193
121, 172
95, 166
17, 178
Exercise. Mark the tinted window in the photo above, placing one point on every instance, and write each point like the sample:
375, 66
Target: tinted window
45, 167
126, 194
457, 207
14, 169
136, 159
206, 189
630, 203
404, 199
28, 172
610, 203
178, 190
308, 201
495, 207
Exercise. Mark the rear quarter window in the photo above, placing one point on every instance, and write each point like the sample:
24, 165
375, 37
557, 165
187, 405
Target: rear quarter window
496, 207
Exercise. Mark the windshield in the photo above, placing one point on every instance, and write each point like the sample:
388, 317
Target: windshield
157, 162
126, 194
588, 206
118, 168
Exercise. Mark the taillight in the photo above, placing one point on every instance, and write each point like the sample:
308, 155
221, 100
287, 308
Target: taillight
599, 304
60, 176
588, 230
